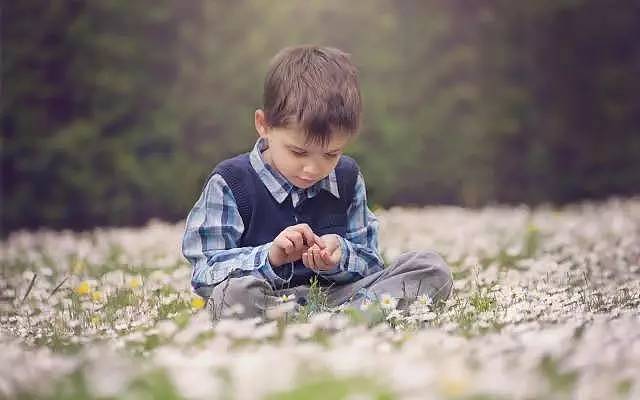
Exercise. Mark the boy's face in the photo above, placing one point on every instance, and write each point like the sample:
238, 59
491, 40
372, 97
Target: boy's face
301, 163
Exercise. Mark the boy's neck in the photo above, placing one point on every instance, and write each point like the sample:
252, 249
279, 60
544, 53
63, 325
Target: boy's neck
266, 156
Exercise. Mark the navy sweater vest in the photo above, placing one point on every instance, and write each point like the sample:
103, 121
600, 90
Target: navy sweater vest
264, 218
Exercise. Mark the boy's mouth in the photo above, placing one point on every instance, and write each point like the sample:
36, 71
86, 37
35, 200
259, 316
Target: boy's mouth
306, 180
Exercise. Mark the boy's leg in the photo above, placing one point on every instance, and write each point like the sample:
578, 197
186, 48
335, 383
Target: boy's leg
412, 274
247, 297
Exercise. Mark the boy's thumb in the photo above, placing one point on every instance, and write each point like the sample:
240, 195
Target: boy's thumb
333, 246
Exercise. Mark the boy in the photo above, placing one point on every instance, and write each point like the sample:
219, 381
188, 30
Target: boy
295, 208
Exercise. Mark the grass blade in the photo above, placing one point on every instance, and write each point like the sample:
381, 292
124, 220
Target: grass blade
33, 281
58, 287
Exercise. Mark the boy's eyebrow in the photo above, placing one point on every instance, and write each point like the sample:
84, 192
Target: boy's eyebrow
301, 149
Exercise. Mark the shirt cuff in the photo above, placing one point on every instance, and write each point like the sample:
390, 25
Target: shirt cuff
267, 270
344, 258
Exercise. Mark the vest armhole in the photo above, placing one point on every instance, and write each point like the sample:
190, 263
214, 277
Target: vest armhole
234, 179
347, 176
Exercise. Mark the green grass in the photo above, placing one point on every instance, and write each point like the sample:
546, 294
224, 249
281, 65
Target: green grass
335, 388
559, 381
466, 311
316, 302
153, 384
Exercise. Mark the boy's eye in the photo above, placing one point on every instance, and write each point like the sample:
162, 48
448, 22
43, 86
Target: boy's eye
299, 153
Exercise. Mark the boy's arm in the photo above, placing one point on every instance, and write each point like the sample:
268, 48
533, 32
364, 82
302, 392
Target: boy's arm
360, 253
213, 229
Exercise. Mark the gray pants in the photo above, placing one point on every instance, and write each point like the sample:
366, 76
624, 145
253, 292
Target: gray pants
412, 274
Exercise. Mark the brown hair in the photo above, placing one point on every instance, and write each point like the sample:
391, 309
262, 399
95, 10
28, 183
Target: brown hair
315, 88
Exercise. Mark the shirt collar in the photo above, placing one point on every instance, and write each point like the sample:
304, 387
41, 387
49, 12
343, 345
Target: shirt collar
278, 185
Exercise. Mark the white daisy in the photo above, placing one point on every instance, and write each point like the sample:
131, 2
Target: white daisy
424, 300
394, 315
388, 302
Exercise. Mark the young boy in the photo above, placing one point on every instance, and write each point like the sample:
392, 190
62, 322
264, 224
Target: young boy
295, 208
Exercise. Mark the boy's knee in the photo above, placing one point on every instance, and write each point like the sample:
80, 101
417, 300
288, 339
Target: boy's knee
432, 268
439, 273
243, 294
422, 260
438, 263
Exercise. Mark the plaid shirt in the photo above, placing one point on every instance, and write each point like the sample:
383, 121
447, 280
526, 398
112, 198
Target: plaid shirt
214, 228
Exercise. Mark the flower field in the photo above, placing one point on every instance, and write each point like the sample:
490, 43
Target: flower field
546, 304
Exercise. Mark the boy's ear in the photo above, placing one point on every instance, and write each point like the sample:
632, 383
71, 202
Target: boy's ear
261, 123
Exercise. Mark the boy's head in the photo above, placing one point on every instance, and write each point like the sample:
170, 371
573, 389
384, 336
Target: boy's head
311, 110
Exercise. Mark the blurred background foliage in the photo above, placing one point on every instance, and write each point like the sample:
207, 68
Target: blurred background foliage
114, 112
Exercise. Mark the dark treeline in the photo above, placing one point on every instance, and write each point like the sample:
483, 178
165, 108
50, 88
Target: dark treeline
113, 112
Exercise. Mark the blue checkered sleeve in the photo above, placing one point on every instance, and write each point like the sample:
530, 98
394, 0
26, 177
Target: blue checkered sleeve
212, 231
360, 252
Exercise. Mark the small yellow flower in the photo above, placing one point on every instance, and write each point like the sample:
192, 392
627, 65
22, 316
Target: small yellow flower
95, 320
531, 229
78, 266
453, 386
198, 303
134, 282
83, 288
287, 297
97, 295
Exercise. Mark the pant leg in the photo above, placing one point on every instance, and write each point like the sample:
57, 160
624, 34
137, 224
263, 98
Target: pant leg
253, 294
412, 274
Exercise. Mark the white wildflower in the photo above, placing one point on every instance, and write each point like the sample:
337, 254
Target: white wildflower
428, 316
424, 300
265, 331
388, 302
394, 315
280, 310
166, 328
321, 320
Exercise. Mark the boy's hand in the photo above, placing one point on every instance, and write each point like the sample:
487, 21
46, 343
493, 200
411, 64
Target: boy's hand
319, 259
289, 245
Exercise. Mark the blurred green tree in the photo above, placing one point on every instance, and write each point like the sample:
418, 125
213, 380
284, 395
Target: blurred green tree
114, 112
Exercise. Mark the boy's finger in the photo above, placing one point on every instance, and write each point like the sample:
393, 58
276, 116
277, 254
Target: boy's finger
317, 260
306, 232
311, 237
296, 238
319, 241
309, 262
286, 245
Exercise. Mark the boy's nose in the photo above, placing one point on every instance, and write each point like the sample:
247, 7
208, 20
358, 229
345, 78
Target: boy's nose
310, 170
